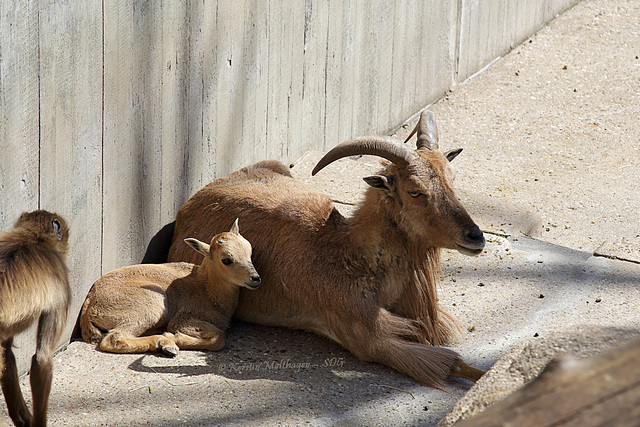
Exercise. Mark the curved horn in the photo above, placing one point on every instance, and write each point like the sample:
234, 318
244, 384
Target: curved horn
383, 146
427, 132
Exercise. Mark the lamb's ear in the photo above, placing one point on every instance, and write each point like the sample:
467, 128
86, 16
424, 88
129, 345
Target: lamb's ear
379, 181
234, 228
199, 246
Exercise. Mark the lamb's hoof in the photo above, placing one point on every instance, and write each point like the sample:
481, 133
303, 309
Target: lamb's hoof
169, 351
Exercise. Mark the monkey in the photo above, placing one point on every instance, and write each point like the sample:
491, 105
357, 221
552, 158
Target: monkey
34, 285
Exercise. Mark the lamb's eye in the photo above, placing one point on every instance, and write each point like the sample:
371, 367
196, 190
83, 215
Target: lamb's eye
415, 194
227, 261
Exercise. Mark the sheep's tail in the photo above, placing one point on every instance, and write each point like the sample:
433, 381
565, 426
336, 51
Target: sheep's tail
158, 249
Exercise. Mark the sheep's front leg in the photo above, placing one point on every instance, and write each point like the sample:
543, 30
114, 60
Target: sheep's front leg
462, 370
194, 334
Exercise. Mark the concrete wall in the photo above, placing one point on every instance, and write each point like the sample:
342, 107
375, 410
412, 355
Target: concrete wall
113, 113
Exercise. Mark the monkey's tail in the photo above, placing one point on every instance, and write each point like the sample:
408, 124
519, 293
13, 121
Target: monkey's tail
90, 333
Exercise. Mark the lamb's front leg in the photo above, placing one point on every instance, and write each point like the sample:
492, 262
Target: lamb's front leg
118, 341
194, 334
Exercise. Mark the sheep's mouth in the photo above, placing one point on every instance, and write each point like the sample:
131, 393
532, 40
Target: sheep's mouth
464, 250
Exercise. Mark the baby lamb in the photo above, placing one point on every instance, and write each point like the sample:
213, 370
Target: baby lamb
127, 309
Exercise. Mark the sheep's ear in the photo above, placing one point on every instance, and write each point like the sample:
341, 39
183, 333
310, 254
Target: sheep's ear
452, 154
199, 246
379, 181
234, 228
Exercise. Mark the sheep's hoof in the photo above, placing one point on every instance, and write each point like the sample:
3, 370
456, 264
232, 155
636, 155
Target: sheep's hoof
462, 370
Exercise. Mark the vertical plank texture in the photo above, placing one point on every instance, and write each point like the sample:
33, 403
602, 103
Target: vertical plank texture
19, 111
19, 127
71, 134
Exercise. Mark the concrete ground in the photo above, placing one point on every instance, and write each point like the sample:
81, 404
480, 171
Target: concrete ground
550, 171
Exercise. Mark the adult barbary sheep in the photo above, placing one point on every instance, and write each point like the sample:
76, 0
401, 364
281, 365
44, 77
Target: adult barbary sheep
34, 285
368, 281
193, 303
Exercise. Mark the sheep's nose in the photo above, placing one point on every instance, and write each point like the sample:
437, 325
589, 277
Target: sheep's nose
256, 279
474, 235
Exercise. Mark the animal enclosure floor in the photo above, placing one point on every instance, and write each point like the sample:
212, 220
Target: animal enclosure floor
550, 171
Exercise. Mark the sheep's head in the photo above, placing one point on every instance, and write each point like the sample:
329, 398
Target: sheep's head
228, 257
418, 187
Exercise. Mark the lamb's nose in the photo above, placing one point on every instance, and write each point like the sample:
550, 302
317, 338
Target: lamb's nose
253, 282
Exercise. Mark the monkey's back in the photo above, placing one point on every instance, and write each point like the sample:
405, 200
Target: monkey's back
33, 279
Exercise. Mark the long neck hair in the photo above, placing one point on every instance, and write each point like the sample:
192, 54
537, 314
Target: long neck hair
420, 299
417, 265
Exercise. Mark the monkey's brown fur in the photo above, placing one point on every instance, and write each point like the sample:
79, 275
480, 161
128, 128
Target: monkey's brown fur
33, 286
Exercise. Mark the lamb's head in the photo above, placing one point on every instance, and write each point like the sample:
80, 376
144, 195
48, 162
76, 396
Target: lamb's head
228, 257
417, 187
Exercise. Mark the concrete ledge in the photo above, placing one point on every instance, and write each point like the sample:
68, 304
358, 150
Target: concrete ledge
526, 360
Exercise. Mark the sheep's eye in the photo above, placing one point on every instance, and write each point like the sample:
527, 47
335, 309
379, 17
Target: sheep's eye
415, 194
227, 261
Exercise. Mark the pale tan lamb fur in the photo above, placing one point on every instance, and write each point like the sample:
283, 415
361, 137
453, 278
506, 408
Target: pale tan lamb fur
166, 307
367, 281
